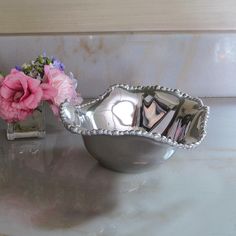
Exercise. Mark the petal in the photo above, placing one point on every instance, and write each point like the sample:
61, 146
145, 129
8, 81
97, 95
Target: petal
46, 69
25, 95
14, 71
6, 92
12, 82
25, 88
38, 95
48, 91
51, 72
19, 105
29, 102
24, 83
33, 84
33, 100
11, 114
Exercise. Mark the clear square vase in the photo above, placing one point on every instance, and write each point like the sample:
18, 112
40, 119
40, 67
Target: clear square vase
33, 127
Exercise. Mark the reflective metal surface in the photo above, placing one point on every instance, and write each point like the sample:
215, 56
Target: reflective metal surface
130, 128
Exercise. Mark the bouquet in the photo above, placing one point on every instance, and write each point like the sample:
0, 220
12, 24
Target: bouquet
27, 86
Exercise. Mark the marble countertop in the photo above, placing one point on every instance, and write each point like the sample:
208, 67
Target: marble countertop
53, 187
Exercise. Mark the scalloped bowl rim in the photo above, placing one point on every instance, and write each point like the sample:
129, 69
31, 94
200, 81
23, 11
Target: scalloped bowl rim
154, 136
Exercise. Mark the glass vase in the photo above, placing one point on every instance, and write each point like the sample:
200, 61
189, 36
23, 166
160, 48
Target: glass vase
32, 127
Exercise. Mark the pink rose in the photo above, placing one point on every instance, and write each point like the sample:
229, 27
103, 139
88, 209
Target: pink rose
19, 96
65, 86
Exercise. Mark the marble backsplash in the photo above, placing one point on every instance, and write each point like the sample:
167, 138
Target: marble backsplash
201, 64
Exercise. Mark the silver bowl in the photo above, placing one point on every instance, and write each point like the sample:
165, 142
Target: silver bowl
131, 128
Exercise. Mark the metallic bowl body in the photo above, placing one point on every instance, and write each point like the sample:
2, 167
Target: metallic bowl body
131, 128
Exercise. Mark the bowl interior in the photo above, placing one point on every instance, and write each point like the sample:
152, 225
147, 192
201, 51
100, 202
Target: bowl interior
154, 111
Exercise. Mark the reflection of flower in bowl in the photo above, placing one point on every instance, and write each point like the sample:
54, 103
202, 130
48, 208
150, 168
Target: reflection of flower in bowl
129, 128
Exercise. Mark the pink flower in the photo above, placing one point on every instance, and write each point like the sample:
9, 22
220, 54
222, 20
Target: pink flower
19, 96
64, 85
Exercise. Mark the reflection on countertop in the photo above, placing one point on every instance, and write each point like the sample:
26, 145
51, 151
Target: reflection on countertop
52, 186
54, 179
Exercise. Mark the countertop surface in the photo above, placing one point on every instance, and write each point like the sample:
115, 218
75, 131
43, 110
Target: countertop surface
52, 186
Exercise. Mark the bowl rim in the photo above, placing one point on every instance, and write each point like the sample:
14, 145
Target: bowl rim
154, 136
